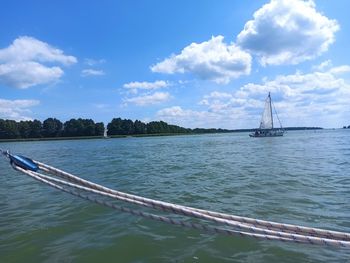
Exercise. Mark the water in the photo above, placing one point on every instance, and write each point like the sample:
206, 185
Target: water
302, 178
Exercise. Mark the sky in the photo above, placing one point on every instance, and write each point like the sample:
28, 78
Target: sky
197, 63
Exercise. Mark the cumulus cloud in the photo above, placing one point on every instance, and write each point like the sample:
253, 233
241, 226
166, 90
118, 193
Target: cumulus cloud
202, 118
210, 60
149, 99
316, 98
16, 109
287, 32
301, 99
92, 72
215, 100
218, 95
146, 97
146, 85
340, 70
187, 118
300, 86
28, 73
177, 111
21, 63
308, 99
30, 49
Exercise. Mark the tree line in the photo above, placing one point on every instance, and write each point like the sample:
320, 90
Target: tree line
52, 127
49, 128
120, 126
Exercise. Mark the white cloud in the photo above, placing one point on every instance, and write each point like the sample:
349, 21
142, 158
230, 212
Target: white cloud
186, 118
93, 62
215, 100
30, 49
146, 98
328, 66
149, 99
287, 32
16, 109
211, 60
146, 85
177, 111
21, 63
317, 98
311, 99
323, 66
92, 72
218, 95
25, 74
202, 118
340, 70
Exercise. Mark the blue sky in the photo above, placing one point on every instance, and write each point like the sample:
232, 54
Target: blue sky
191, 63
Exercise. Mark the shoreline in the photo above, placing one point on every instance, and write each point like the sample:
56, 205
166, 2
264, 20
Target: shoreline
93, 137
140, 135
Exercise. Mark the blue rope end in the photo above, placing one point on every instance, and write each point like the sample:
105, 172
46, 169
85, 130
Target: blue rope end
23, 162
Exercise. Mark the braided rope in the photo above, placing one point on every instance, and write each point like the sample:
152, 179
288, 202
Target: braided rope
270, 226
189, 213
254, 229
183, 223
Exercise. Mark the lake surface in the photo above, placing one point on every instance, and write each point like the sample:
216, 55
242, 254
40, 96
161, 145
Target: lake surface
301, 178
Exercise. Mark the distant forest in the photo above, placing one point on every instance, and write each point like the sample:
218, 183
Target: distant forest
52, 127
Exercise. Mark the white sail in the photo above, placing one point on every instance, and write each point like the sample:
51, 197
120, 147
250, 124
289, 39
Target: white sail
105, 132
267, 119
266, 124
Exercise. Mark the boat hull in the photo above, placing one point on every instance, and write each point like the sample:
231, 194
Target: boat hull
267, 133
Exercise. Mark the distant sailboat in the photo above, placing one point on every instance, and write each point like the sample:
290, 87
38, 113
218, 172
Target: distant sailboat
266, 128
105, 133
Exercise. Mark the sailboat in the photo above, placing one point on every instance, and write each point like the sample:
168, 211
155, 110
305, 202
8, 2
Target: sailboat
105, 133
266, 128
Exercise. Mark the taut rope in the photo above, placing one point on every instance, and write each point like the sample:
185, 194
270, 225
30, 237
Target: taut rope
234, 225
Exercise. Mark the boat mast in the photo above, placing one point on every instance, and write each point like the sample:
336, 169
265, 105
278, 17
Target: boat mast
270, 109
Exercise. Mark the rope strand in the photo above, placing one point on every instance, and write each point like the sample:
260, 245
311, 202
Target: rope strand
287, 228
243, 226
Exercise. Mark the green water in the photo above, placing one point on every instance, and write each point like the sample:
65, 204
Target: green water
302, 178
